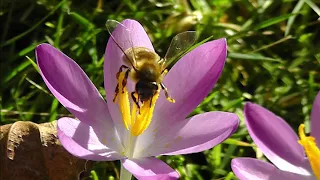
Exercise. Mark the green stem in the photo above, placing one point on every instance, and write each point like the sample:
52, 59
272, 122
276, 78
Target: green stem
125, 174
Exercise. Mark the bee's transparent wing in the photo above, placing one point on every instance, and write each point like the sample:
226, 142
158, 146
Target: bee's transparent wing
180, 44
111, 26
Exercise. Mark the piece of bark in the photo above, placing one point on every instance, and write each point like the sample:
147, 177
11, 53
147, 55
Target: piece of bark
33, 151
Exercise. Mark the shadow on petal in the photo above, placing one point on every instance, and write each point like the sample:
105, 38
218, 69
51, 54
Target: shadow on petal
150, 168
82, 141
254, 169
190, 80
71, 86
198, 133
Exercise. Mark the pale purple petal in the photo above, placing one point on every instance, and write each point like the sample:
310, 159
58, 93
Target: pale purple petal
254, 169
198, 133
85, 142
275, 138
190, 80
71, 86
113, 61
150, 168
315, 119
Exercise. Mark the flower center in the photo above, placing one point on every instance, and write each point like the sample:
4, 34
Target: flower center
138, 120
311, 149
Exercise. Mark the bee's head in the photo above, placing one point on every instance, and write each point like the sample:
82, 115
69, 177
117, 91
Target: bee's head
146, 89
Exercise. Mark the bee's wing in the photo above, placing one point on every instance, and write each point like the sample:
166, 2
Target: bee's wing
178, 46
111, 26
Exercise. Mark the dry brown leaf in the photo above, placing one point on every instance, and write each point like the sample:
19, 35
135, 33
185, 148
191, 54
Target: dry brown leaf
33, 151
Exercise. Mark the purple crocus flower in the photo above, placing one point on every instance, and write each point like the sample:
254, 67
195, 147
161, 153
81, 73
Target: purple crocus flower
98, 133
290, 156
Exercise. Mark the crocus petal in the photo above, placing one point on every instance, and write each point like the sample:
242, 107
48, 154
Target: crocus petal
254, 169
83, 141
190, 80
113, 61
198, 133
315, 119
71, 86
275, 138
150, 168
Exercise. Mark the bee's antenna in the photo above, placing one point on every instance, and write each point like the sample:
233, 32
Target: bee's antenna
107, 25
133, 66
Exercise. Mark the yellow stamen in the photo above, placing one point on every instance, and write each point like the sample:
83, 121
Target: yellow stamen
311, 149
136, 123
143, 119
124, 103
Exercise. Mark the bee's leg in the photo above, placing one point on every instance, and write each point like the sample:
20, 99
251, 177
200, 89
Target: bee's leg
166, 93
121, 69
165, 72
124, 82
135, 100
161, 61
150, 102
116, 91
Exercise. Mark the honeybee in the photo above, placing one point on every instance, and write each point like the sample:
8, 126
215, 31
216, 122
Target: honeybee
145, 67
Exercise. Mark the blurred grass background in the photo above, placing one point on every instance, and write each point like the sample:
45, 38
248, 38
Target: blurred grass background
273, 60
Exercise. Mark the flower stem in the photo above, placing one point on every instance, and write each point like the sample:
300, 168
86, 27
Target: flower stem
125, 174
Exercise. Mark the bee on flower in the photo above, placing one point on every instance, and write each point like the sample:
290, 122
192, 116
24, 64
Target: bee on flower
147, 70
104, 130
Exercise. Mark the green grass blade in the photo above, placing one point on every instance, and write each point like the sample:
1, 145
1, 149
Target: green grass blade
33, 27
273, 21
18, 69
255, 57
273, 43
59, 30
37, 86
237, 142
81, 20
33, 64
53, 110
313, 6
290, 22
28, 49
